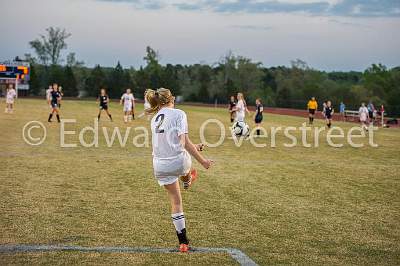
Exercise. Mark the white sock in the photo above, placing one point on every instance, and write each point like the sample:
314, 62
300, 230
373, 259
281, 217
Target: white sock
125, 118
179, 221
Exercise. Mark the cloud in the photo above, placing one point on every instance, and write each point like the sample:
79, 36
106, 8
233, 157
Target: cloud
251, 27
369, 8
350, 8
269, 7
351, 24
186, 6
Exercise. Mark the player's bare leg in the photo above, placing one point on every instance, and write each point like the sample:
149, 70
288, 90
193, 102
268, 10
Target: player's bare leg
191, 176
129, 115
58, 115
126, 117
177, 215
109, 115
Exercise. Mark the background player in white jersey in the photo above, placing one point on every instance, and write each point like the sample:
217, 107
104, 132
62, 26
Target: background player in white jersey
241, 107
364, 116
146, 106
127, 100
48, 94
10, 97
171, 154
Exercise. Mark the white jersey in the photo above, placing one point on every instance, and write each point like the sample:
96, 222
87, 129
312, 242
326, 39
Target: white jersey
127, 98
363, 112
48, 94
128, 101
170, 159
166, 127
11, 94
240, 109
146, 103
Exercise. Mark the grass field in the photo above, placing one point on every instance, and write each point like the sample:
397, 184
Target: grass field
307, 206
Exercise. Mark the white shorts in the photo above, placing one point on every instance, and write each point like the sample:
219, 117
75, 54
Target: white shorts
239, 116
127, 107
363, 117
167, 171
10, 101
146, 106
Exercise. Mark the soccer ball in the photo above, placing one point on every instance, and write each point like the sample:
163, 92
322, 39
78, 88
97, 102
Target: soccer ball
240, 129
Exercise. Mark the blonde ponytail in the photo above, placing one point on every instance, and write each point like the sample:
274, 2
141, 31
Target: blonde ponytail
157, 99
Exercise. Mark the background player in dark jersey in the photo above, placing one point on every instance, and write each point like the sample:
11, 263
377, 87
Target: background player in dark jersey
259, 115
103, 103
55, 98
328, 113
232, 105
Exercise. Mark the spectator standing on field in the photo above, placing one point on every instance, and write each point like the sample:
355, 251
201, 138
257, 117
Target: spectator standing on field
371, 111
364, 116
342, 109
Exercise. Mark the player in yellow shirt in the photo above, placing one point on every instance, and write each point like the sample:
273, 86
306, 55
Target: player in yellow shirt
312, 106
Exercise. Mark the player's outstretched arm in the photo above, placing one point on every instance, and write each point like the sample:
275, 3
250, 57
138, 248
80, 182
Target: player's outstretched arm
194, 151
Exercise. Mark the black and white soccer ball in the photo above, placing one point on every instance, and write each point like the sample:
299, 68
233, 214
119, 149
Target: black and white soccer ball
240, 129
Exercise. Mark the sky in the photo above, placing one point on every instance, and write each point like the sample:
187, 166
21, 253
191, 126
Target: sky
331, 35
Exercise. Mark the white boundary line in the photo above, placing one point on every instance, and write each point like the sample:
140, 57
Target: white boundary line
236, 254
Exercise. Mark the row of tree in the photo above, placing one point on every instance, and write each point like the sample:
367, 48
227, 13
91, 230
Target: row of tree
281, 86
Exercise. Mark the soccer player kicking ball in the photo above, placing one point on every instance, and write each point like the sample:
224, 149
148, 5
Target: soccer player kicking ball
172, 149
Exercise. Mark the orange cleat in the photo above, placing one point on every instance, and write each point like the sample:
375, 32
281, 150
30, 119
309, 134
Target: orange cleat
189, 178
183, 248
193, 174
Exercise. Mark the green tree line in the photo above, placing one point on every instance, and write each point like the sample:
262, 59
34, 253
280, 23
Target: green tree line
281, 86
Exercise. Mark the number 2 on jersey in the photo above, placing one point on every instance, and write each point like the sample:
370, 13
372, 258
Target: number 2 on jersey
161, 118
